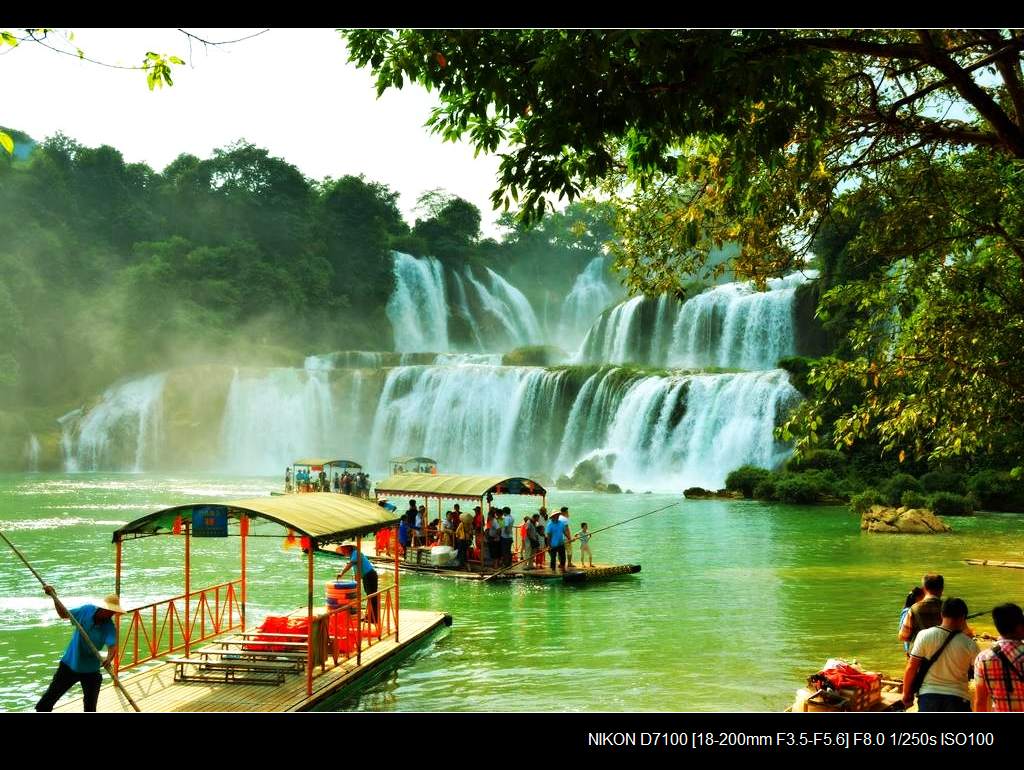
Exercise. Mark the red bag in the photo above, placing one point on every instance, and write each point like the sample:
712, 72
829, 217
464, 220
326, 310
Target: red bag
277, 625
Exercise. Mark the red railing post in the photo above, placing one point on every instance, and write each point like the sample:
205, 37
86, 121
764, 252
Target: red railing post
188, 570
395, 534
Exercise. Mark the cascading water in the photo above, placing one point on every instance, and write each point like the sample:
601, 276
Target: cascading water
730, 326
434, 309
587, 299
465, 414
417, 309
692, 430
734, 325
122, 432
275, 416
32, 453
647, 430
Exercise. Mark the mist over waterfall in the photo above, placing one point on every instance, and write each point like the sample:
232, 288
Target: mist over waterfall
589, 296
122, 431
445, 392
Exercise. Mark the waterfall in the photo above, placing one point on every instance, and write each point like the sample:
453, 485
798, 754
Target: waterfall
67, 423
346, 359
445, 393
730, 326
32, 453
523, 318
587, 299
734, 325
491, 313
417, 308
276, 416
472, 416
122, 432
613, 339
677, 432
506, 305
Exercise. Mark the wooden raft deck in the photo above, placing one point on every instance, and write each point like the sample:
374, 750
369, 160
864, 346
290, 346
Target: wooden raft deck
419, 563
156, 690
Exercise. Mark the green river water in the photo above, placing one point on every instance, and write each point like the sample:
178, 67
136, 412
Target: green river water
737, 603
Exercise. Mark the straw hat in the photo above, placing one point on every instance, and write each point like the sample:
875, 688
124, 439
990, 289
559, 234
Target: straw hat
112, 602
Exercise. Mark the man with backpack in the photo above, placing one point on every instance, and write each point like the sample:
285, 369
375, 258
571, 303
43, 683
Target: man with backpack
999, 670
927, 613
947, 655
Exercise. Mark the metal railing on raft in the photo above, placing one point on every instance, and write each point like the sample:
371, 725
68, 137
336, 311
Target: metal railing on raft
174, 624
347, 636
341, 634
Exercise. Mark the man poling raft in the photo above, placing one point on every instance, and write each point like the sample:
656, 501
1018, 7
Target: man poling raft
592, 532
78, 665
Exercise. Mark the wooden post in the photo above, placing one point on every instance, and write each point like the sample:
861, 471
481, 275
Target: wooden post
359, 600
309, 620
395, 533
188, 587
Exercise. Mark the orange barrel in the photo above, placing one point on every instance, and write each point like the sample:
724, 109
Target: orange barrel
341, 592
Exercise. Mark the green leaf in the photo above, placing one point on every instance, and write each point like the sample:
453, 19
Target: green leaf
7, 143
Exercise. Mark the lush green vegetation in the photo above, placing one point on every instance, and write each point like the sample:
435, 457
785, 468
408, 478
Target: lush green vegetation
110, 269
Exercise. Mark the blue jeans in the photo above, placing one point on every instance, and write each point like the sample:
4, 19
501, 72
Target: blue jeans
939, 702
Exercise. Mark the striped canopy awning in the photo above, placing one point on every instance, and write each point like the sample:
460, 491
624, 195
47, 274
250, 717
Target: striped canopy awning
321, 516
457, 487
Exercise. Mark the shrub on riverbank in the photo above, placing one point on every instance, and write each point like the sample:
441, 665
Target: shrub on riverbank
911, 499
997, 491
745, 478
949, 504
944, 481
862, 503
893, 489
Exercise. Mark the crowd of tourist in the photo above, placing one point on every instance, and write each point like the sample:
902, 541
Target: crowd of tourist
356, 484
942, 654
494, 541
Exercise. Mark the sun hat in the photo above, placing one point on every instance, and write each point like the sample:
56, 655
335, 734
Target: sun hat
112, 602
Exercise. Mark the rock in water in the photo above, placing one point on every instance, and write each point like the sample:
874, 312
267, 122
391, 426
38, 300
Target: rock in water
902, 521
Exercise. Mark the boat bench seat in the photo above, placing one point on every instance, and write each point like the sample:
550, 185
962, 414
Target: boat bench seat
254, 672
297, 660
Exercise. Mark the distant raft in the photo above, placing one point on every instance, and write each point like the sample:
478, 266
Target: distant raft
990, 563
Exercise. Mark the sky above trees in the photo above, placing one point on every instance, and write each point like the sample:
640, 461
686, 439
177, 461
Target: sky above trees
290, 91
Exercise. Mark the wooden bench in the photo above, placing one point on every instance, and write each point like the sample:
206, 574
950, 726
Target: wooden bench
297, 660
257, 672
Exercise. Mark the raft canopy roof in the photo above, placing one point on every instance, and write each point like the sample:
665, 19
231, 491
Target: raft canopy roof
322, 516
419, 460
452, 486
316, 461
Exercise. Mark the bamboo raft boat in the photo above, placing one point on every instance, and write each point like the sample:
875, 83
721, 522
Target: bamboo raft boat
197, 652
477, 489
419, 563
990, 563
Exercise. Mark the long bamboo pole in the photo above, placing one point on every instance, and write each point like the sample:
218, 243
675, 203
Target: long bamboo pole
64, 610
594, 532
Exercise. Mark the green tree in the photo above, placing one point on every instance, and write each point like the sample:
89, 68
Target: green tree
758, 137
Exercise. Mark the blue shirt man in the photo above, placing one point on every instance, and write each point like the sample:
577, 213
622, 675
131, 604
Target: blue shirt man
364, 569
80, 664
555, 530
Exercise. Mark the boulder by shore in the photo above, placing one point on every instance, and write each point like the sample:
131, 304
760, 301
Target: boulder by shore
902, 521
